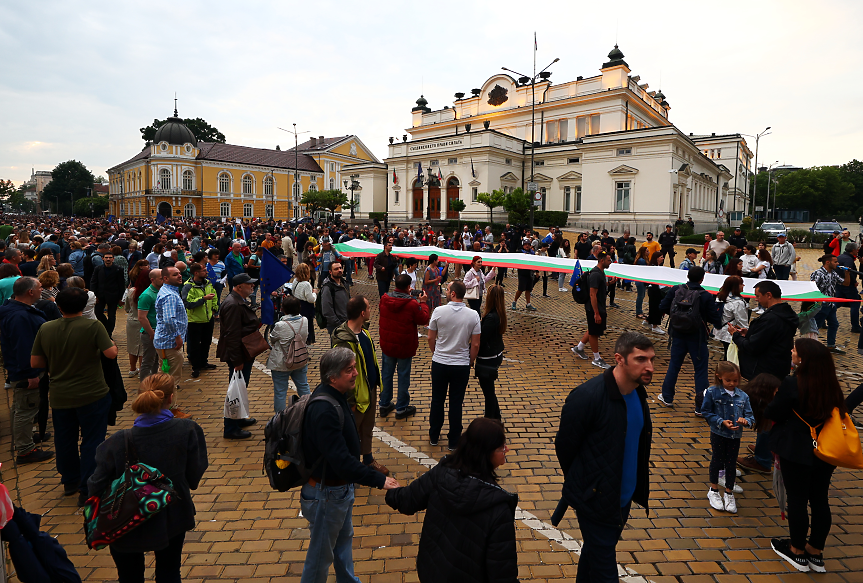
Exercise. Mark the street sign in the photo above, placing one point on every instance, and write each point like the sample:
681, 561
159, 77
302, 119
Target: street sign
759, 208
532, 187
537, 196
537, 203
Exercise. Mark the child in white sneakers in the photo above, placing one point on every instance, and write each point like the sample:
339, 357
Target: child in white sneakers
727, 410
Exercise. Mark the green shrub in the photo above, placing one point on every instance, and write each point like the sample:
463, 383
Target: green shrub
799, 236
496, 228
550, 218
755, 235
377, 215
685, 229
820, 237
691, 239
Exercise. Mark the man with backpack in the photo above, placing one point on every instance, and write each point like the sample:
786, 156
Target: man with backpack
690, 308
353, 335
592, 290
331, 448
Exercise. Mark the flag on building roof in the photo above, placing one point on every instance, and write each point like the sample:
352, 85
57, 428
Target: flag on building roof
439, 175
534, 41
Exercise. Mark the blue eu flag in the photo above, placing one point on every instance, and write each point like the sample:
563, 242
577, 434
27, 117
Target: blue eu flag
273, 276
576, 273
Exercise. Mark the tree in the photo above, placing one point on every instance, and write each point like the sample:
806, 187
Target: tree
67, 178
517, 204
822, 190
495, 199
14, 199
853, 172
457, 205
99, 204
312, 201
203, 131
332, 200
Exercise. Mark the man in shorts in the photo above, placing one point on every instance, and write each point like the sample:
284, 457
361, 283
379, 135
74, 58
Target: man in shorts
526, 280
595, 311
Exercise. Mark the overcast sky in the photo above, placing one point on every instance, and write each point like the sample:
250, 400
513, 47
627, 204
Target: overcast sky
78, 79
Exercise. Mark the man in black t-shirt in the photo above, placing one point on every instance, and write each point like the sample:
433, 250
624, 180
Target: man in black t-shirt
595, 311
606, 241
666, 242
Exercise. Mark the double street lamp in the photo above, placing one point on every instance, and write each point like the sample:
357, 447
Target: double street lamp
523, 79
352, 184
755, 182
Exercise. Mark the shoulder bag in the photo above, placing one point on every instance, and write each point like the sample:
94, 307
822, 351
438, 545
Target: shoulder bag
838, 442
253, 345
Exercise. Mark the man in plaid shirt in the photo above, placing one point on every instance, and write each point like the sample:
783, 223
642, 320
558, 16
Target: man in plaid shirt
171, 324
827, 279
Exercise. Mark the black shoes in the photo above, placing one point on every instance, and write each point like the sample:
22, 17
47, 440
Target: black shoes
246, 422
34, 456
432, 441
82, 499
41, 438
209, 366
195, 373
409, 410
387, 409
238, 434
782, 547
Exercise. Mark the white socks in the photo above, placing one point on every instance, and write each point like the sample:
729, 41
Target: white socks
581, 345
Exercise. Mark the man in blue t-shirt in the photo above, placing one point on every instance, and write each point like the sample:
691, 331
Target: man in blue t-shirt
603, 446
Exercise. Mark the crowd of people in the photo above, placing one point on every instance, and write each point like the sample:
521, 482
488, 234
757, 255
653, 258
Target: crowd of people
62, 281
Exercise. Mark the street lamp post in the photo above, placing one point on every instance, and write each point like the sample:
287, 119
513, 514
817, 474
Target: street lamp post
296, 166
755, 183
352, 185
532, 117
767, 203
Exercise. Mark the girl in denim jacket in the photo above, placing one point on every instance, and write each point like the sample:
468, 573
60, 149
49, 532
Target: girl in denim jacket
727, 410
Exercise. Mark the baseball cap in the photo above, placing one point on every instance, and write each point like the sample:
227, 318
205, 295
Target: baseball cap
243, 278
780, 235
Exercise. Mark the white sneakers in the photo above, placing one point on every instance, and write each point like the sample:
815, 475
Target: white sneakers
657, 329
737, 489
720, 502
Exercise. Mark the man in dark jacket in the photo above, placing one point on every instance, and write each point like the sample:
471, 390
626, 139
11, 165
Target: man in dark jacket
666, 242
386, 266
847, 259
331, 446
400, 315
738, 240
19, 322
334, 298
765, 348
107, 284
603, 447
694, 342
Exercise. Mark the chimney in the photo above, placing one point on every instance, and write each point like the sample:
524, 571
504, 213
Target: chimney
313, 141
321, 140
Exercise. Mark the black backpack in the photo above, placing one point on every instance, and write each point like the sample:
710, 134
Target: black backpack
581, 289
284, 461
685, 314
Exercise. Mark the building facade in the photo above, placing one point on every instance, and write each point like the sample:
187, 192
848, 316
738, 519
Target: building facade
603, 150
34, 187
178, 176
731, 151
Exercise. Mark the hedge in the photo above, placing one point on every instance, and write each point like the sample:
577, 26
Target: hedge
377, 215
542, 218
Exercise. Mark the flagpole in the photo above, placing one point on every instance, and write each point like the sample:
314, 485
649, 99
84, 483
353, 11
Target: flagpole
532, 125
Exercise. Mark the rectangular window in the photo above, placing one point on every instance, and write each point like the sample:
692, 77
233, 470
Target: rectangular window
539, 162
269, 211
622, 195
248, 209
578, 199
567, 196
417, 164
542, 190
473, 193
508, 161
552, 133
594, 124
587, 125
225, 209
573, 160
564, 130
452, 161
434, 163
397, 196
332, 166
624, 151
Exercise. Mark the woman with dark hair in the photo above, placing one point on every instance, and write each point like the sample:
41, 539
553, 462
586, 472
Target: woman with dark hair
490, 356
65, 271
139, 281
655, 293
501, 248
729, 254
805, 398
475, 282
734, 310
431, 282
764, 265
465, 510
712, 263
563, 252
733, 267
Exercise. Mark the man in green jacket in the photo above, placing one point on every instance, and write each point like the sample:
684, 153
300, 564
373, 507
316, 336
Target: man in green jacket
362, 398
199, 297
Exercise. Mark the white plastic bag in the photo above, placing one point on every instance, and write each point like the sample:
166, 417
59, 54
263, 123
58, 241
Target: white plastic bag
733, 354
237, 399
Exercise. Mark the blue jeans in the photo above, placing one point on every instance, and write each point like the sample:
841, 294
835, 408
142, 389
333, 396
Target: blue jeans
782, 271
696, 347
763, 455
92, 422
598, 560
280, 385
561, 279
329, 510
639, 297
388, 370
827, 316
851, 293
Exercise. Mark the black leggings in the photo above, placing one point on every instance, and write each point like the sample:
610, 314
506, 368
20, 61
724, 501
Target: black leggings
501, 273
654, 297
725, 450
492, 407
545, 285
807, 484
130, 566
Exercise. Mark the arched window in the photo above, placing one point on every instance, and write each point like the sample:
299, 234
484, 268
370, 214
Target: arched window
268, 186
164, 179
225, 209
248, 210
224, 184
452, 182
248, 185
188, 180
313, 187
189, 210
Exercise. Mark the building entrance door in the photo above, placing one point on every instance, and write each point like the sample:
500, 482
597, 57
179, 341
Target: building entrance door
434, 202
418, 203
451, 195
164, 209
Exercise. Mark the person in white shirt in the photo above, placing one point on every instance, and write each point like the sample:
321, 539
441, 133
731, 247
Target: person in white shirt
748, 261
454, 335
466, 239
411, 271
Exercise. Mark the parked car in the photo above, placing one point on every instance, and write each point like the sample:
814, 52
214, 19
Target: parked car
296, 222
825, 227
773, 230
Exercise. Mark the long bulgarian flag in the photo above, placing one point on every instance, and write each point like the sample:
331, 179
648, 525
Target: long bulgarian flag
666, 276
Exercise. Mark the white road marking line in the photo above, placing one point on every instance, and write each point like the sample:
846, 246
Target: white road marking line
625, 574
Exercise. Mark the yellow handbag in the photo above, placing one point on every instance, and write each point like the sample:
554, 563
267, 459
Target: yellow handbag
838, 442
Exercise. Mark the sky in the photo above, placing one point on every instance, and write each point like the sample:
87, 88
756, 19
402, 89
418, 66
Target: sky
78, 79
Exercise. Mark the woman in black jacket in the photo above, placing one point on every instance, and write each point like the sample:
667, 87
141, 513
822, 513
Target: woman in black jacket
806, 397
490, 355
468, 534
177, 448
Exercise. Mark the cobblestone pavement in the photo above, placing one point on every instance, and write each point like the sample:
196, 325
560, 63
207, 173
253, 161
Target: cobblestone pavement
247, 532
